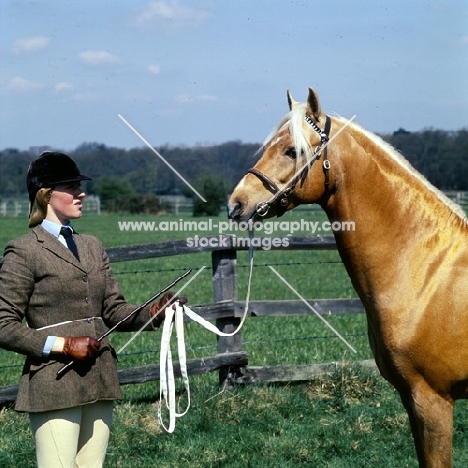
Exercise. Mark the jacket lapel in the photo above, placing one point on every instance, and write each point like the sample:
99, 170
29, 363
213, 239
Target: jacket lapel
82, 251
52, 244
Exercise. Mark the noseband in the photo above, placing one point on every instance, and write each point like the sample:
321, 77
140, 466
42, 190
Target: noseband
280, 197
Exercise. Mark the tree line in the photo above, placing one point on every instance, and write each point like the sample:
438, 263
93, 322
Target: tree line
441, 156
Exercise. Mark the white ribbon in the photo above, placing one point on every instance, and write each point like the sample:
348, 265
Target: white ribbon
167, 384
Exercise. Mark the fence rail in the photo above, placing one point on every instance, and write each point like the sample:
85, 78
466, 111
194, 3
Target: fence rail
231, 361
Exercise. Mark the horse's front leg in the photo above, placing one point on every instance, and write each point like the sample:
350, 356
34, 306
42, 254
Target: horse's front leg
431, 420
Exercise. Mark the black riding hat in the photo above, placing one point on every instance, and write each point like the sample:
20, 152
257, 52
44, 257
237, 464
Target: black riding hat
51, 169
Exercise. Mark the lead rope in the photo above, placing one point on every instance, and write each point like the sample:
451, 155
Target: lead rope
166, 369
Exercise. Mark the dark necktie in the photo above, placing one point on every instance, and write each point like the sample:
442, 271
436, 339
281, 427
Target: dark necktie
67, 233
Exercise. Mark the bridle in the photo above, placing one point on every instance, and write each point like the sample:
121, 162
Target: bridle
280, 196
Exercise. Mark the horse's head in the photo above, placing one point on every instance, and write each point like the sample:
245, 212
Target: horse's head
286, 176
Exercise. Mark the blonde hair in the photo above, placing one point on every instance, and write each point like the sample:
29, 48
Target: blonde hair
39, 207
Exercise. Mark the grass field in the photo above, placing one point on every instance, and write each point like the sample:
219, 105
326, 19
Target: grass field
352, 418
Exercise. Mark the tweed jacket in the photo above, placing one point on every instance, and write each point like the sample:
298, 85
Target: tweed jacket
42, 283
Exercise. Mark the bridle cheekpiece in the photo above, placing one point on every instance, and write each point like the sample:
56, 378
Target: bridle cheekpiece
280, 196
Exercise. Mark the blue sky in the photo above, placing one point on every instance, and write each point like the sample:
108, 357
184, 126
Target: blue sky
201, 72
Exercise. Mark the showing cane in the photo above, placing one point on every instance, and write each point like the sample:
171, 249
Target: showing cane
130, 315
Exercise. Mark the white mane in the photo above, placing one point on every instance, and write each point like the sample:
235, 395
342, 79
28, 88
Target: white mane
300, 134
399, 158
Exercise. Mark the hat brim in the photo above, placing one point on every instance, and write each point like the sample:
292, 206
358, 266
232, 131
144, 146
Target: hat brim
78, 178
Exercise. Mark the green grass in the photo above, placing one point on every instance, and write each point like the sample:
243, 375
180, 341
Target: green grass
348, 419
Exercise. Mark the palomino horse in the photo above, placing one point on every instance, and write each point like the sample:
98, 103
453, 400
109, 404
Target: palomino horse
407, 257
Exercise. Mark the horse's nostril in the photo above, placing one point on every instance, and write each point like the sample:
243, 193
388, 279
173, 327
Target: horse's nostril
233, 211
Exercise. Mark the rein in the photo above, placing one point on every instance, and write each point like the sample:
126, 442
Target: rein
280, 196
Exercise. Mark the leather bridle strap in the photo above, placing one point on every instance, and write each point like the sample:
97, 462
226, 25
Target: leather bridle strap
281, 195
265, 179
326, 162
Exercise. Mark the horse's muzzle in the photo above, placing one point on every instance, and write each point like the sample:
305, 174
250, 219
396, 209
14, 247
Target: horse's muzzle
234, 212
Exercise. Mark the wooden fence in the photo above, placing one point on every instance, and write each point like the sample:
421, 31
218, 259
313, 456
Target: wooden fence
231, 361
178, 204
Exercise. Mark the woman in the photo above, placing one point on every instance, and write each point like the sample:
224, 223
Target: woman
61, 283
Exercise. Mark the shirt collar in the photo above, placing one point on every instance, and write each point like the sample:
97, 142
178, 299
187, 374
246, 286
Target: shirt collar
54, 228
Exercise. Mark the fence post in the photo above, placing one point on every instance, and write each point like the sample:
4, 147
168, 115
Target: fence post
17, 208
224, 264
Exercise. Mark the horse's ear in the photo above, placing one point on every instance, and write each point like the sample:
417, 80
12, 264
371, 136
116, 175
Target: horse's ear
292, 103
313, 105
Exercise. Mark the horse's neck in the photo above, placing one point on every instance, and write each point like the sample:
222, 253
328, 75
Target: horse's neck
394, 212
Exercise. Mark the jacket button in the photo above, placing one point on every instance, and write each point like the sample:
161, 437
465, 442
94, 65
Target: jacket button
85, 278
87, 299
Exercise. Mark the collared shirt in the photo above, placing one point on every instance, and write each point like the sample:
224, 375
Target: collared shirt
54, 229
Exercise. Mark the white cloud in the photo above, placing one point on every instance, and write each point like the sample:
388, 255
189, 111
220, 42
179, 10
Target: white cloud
30, 44
171, 13
22, 84
155, 69
63, 86
98, 57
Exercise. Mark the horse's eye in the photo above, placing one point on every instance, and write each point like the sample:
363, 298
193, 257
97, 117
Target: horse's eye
291, 152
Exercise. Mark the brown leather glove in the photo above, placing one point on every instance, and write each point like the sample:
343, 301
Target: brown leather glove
80, 348
162, 304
